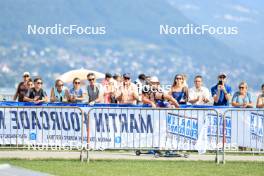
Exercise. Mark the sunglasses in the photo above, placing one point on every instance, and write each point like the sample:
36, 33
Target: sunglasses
241, 87
60, 85
26, 76
91, 79
222, 77
125, 78
78, 82
178, 78
40, 83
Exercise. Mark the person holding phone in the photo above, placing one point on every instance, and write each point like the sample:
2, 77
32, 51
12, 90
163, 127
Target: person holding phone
221, 92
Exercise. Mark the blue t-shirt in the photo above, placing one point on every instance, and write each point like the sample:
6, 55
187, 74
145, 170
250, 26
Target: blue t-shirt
236, 98
78, 93
222, 101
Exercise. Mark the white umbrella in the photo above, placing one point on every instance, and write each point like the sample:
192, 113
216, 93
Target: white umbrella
79, 73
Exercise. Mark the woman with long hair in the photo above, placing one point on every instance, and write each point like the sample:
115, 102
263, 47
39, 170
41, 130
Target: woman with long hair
178, 90
76, 92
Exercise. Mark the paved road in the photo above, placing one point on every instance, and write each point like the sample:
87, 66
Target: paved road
8, 170
117, 155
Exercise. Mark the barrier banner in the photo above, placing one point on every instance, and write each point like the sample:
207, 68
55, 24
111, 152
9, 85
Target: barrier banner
151, 128
131, 128
247, 129
41, 126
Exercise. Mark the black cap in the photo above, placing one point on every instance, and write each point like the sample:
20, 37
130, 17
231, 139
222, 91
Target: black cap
116, 75
108, 75
142, 76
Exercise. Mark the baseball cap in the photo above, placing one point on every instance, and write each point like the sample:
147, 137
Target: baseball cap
117, 75
154, 79
108, 75
126, 75
222, 74
26, 73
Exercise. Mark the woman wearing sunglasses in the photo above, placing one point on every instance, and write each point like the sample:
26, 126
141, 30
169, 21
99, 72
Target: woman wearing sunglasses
178, 90
59, 93
36, 94
242, 98
76, 92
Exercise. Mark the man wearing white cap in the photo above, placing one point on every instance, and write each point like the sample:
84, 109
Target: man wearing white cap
221, 92
22, 87
154, 96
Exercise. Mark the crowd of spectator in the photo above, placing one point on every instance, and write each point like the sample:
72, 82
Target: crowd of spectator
120, 89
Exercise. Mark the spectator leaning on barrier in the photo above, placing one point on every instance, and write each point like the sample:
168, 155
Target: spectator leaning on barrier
260, 100
109, 91
30, 84
117, 82
22, 88
93, 90
154, 95
242, 98
36, 94
117, 78
140, 82
127, 92
76, 92
221, 92
108, 77
59, 93
178, 90
199, 95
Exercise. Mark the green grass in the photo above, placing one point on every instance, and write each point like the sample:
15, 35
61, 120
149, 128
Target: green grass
141, 168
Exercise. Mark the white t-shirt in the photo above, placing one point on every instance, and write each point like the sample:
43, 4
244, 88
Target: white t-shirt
203, 92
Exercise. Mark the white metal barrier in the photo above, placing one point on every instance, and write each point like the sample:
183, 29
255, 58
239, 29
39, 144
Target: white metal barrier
42, 128
132, 128
243, 131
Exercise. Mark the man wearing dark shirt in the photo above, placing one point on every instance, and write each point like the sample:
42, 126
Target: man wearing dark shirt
36, 94
22, 88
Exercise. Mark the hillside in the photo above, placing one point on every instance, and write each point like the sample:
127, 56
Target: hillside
132, 43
